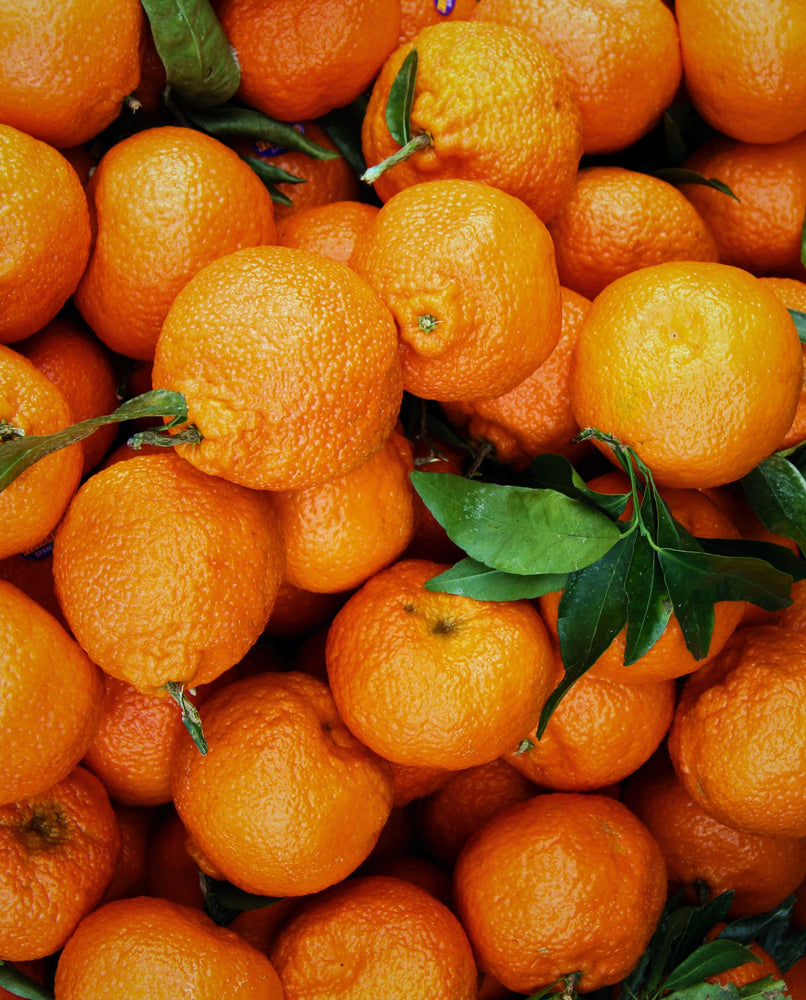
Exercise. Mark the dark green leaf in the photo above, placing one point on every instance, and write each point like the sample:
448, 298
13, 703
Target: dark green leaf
779, 556
654, 960
768, 988
199, 62
680, 175
555, 472
228, 122
709, 959
699, 922
706, 991
674, 144
343, 126
773, 930
400, 100
470, 578
713, 578
267, 173
271, 174
648, 604
224, 901
516, 529
799, 319
694, 615
776, 490
21, 985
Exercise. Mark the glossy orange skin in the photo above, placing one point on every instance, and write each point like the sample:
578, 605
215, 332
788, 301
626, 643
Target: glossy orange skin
435, 679
468, 272
561, 883
42, 738
166, 201
165, 573
150, 949
333, 229
518, 129
284, 406
762, 871
59, 849
299, 59
743, 72
750, 695
370, 929
287, 801
65, 67
694, 364
623, 59
44, 233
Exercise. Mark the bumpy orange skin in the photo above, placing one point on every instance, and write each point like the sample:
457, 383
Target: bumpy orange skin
737, 741
300, 59
762, 871
375, 936
743, 73
165, 573
333, 230
265, 345
561, 883
693, 364
793, 295
434, 679
32, 504
166, 201
623, 59
151, 949
51, 702
747, 972
418, 14
287, 801
794, 616
65, 67
58, 852
618, 220
44, 233
468, 272
518, 128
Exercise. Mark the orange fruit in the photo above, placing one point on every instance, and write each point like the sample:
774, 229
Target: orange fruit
517, 129
132, 748
468, 272
669, 657
446, 819
748, 972
67, 65
32, 573
299, 60
45, 232
618, 220
414, 868
414, 781
742, 772
418, 14
623, 60
794, 616
535, 417
758, 230
166, 202
601, 731
287, 801
693, 364
165, 573
135, 824
260, 926
32, 504
323, 182
795, 978
340, 533
59, 849
51, 701
171, 873
434, 679
382, 936
762, 871
793, 295
743, 72
430, 539
82, 368
286, 405
300, 612
559, 884
332, 230
151, 949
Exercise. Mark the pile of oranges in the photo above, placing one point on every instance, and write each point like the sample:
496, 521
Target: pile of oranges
373, 815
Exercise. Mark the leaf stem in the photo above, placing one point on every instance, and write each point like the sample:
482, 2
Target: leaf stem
190, 715
420, 141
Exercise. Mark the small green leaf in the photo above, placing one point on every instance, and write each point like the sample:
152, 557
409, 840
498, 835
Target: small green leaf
199, 62
776, 490
20, 985
709, 959
680, 175
555, 472
698, 923
649, 606
695, 617
799, 319
516, 529
400, 100
231, 121
271, 174
224, 901
190, 715
470, 578
774, 931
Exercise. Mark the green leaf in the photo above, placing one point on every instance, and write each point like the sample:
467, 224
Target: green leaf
695, 617
681, 175
778, 556
400, 100
224, 901
698, 923
343, 126
231, 121
776, 490
799, 319
709, 959
199, 62
20, 985
649, 606
555, 472
20, 452
773, 930
271, 174
516, 529
470, 578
